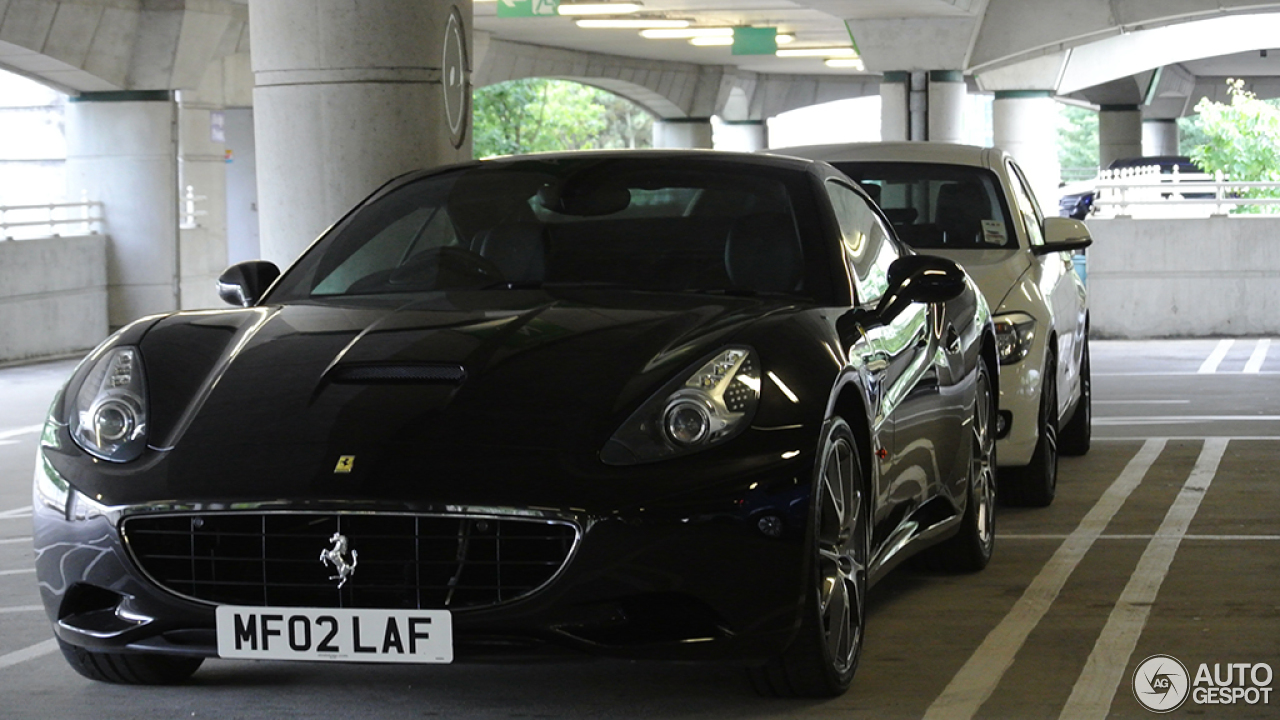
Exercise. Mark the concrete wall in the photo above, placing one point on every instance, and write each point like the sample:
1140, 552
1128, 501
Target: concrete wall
1185, 277
45, 313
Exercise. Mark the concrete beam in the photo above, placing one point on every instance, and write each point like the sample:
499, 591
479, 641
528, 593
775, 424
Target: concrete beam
911, 44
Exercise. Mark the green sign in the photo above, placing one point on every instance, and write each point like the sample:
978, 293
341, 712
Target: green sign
527, 8
755, 41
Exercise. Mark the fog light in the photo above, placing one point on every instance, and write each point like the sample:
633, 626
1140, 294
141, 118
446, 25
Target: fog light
1004, 423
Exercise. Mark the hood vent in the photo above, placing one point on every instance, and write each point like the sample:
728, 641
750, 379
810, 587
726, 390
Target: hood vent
399, 374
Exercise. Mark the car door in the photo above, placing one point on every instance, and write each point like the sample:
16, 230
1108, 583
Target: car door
904, 349
1057, 283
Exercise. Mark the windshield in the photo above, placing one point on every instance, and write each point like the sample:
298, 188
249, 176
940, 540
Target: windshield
948, 207
647, 223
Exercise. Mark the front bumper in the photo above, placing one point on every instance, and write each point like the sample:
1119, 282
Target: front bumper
1020, 385
693, 576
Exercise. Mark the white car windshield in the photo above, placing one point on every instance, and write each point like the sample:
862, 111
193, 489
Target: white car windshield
938, 207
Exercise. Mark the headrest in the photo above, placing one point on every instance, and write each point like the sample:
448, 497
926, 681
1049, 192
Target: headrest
763, 253
517, 249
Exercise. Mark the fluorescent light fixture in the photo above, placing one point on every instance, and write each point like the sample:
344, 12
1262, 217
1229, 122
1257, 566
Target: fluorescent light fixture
853, 63
831, 52
786, 38
685, 33
598, 8
634, 24
709, 40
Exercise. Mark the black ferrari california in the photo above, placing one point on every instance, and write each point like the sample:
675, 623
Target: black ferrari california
669, 404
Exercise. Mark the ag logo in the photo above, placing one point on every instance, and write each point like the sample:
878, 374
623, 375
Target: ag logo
1160, 683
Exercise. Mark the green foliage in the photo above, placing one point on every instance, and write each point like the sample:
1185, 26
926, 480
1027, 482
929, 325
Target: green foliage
1242, 140
540, 115
1077, 142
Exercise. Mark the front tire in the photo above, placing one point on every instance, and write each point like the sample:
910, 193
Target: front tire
129, 668
822, 658
1036, 484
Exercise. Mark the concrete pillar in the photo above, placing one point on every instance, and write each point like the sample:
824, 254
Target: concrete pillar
1025, 123
1119, 133
947, 93
122, 150
1160, 137
740, 135
683, 133
918, 107
895, 116
348, 95
202, 189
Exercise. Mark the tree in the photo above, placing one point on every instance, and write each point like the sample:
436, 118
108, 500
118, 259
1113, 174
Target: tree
541, 115
1077, 142
1242, 140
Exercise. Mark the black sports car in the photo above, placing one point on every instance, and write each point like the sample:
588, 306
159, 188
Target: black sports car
664, 404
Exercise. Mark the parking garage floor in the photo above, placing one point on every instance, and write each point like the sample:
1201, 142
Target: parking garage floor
1164, 540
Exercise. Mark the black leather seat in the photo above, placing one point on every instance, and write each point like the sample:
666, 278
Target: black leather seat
962, 206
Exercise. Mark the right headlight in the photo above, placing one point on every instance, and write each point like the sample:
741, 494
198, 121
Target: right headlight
109, 416
1015, 332
704, 408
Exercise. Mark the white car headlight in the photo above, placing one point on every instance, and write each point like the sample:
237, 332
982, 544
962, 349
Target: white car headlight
1015, 333
707, 407
109, 417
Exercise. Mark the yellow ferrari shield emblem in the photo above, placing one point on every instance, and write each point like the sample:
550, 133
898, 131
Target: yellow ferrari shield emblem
345, 463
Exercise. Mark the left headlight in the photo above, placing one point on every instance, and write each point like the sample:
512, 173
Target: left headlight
707, 407
109, 417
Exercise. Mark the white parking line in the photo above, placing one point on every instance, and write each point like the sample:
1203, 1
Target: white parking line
1258, 357
1211, 363
1141, 402
22, 512
15, 540
975, 682
20, 609
23, 571
28, 653
1180, 419
6, 434
1222, 538
1104, 671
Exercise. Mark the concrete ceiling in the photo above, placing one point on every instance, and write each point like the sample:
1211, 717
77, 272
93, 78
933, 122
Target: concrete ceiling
813, 22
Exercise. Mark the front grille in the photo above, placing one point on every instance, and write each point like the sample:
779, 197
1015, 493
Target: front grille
401, 561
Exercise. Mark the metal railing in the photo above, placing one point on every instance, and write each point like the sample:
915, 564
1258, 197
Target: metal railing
18, 222
1146, 192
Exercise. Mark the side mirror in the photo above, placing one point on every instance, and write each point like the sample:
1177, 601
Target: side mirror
1063, 234
925, 279
244, 284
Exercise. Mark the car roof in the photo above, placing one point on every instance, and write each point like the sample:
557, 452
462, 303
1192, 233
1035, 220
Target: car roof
922, 152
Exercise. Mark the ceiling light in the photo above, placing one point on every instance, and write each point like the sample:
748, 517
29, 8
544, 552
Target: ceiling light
853, 63
707, 40
635, 24
598, 8
786, 38
844, 52
684, 33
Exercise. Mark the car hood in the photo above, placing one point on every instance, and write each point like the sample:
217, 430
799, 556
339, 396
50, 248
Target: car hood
261, 391
996, 272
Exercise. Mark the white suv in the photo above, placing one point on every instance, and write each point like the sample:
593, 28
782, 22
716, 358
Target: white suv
974, 206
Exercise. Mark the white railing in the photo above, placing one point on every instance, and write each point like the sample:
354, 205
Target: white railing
1145, 192
18, 222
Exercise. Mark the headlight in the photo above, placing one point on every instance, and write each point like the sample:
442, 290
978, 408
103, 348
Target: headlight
109, 418
1015, 332
709, 406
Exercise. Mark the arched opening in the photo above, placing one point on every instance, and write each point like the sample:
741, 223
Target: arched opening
33, 145
544, 115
